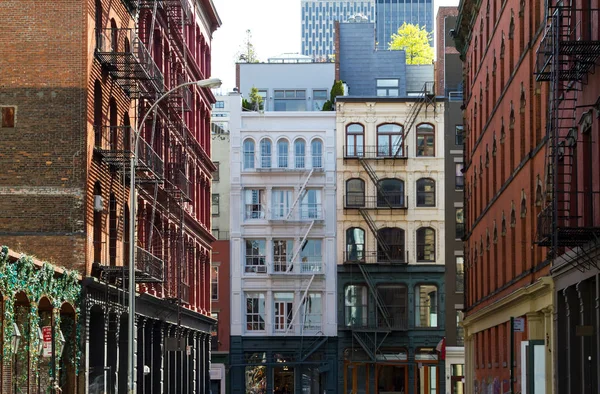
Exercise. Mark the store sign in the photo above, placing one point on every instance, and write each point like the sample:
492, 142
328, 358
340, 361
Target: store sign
519, 324
47, 341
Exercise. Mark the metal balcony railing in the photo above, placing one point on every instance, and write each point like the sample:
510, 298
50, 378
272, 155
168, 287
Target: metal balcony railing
256, 264
149, 268
128, 61
393, 256
375, 152
303, 265
113, 143
391, 201
149, 160
310, 211
176, 177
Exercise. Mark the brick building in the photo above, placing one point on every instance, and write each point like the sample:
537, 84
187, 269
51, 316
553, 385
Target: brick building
569, 223
77, 77
508, 305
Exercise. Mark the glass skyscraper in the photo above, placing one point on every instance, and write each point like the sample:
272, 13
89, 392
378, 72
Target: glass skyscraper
391, 14
317, 23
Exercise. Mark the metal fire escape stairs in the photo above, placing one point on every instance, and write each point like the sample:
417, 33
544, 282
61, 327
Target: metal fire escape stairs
426, 98
564, 60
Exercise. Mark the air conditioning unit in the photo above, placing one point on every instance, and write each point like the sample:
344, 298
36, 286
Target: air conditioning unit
98, 203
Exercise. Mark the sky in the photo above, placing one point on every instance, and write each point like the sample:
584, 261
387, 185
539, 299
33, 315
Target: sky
275, 27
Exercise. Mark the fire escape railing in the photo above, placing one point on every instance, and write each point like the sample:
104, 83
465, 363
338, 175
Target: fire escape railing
567, 53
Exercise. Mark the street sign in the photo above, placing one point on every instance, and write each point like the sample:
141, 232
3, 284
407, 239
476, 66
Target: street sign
47, 341
519, 324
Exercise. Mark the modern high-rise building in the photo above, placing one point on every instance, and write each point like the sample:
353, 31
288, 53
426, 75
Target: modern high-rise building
318, 17
391, 14
77, 79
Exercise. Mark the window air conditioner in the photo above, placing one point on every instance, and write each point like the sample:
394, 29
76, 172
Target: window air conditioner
98, 203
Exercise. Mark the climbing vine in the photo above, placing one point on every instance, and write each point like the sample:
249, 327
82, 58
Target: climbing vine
24, 276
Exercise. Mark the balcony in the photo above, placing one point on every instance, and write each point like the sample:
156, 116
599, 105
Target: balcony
264, 163
376, 152
178, 182
360, 201
149, 161
113, 143
148, 267
304, 265
129, 62
376, 257
397, 322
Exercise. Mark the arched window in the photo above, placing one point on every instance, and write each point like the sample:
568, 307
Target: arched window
114, 44
265, 153
248, 154
425, 140
390, 193
355, 193
316, 148
390, 246
300, 153
282, 153
425, 244
390, 140
112, 230
97, 223
98, 23
97, 113
425, 192
355, 140
113, 131
355, 244
126, 132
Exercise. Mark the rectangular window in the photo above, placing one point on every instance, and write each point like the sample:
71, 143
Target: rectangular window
214, 333
387, 88
255, 312
282, 254
460, 274
460, 135
254, 200
214, 283
215, 205
215, 174
460, 331
256, 256
313, 312
460, 223
426, 306
8, 117
355, 305
290, 100
219, 104
311, 256
459, 176
319, 98
281, 203
284, 310
310, 206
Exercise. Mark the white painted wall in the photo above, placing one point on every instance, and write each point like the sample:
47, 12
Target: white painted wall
289, 125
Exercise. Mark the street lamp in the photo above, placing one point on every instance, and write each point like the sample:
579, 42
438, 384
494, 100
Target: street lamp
205, 83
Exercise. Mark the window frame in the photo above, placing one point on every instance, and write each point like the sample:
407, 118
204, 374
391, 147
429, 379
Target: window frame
354, 136
400, 254
459, 224
390, 134
388, 88
316, 159
216, 176
360, 257
286, 96
355, 194
283, 322
424, 193
422, 245
363, 295
283, 155
249, 154
396, 200
214, 282
260, 297
253, 213
459, 180
421, 133
261, 259
266, 159
300, 142
460, 274
459, 136
403, 323
418, 305
218, 204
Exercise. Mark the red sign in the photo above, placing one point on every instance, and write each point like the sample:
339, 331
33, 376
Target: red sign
47, 341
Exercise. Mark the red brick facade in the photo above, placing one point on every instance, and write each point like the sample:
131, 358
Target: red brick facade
504, 162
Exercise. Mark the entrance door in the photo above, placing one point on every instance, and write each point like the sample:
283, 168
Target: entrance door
392, 379
356, 378
283, 380
215, 387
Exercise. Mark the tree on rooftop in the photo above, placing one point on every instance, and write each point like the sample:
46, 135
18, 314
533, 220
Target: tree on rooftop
247, 54
414, 40
254, 102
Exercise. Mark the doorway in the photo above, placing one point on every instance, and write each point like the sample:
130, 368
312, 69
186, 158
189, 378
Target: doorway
392, 379
283, 380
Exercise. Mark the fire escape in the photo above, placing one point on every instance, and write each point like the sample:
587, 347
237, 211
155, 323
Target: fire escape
567, 54
371, 337
129, 60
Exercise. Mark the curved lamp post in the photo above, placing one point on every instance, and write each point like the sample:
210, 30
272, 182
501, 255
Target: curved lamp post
205, 83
